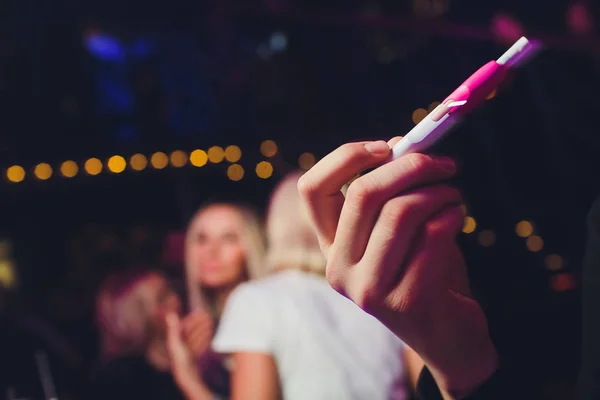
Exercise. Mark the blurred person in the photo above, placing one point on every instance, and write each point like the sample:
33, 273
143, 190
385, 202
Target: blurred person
131, 309
391, 247
224, 246
289, 335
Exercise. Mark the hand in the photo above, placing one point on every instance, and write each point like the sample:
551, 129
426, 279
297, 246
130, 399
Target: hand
390, 247
183, 365
198, 332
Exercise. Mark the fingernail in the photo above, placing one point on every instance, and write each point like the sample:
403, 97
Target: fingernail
378, 147
446, 163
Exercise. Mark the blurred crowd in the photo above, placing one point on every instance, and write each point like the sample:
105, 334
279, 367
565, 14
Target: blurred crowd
214, 296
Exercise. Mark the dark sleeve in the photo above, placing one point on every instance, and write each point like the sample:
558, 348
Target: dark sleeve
589, 376
501, 386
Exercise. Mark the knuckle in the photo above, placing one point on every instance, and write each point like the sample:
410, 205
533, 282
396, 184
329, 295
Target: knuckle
419, 162
305, 185
362, 192
396, 211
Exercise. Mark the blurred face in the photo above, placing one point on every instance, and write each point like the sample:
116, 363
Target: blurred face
215, 249
162, 300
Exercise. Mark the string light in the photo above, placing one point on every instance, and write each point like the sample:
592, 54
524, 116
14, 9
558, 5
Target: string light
470, 225
43, 171
116, 164
418, 115
554, 262
159, 160
268, 148
264, 169
306, 161
233, 154
178, 158
235, 172
198, 158
535, 243
524, 229
69, 169
216, 154
93, 166
15, 174
138, 162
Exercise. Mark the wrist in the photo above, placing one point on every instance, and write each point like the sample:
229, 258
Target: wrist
469, 373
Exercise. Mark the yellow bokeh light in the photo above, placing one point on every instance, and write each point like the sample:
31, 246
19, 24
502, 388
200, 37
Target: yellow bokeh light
16, 173
486, 238
159, 160
116, 164
554, 262
93, 166
235, 172
69, 169
524, 229
138, 162
264, 169
535, 243
198, 158
179, 158
418, 115
216, 154
306, 161
7, 274
470, 225
491, 95
268, 148
233, 154
43, 171
433, 105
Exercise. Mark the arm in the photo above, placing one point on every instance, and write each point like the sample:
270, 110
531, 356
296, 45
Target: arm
254, 377
414, 365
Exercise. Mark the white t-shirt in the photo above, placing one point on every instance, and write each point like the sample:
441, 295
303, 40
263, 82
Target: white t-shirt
324, 346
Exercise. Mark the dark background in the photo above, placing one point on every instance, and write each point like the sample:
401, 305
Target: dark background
193, 74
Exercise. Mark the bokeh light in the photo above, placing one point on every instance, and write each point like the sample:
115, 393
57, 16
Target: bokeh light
268, 148
524, 229
116, 164
178, 158
554, 262
43, 171
216, 154
93, 166
306, 161
198, 158
138, 162
233, 154
159, 160
15, 174
235, 172
433, 105
535, 243
418, 115
486, 238
264, 169
470, 225
491, 95
563, 282
69, 169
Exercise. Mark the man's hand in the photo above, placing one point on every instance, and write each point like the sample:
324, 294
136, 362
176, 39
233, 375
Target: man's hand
390, 247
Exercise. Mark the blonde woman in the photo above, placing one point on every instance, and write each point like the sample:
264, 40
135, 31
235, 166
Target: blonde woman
292, 336
131, 310
224, 247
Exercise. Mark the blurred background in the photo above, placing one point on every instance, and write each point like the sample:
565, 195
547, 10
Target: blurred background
119, 118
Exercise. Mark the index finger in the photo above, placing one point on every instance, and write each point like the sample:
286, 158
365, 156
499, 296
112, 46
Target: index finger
321, 186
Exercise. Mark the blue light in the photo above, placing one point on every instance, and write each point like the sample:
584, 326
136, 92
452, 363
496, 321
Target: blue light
278, 42
105, 47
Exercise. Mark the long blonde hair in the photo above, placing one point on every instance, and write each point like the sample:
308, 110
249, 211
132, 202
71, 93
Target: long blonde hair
292, 240
254, 246
123, 302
